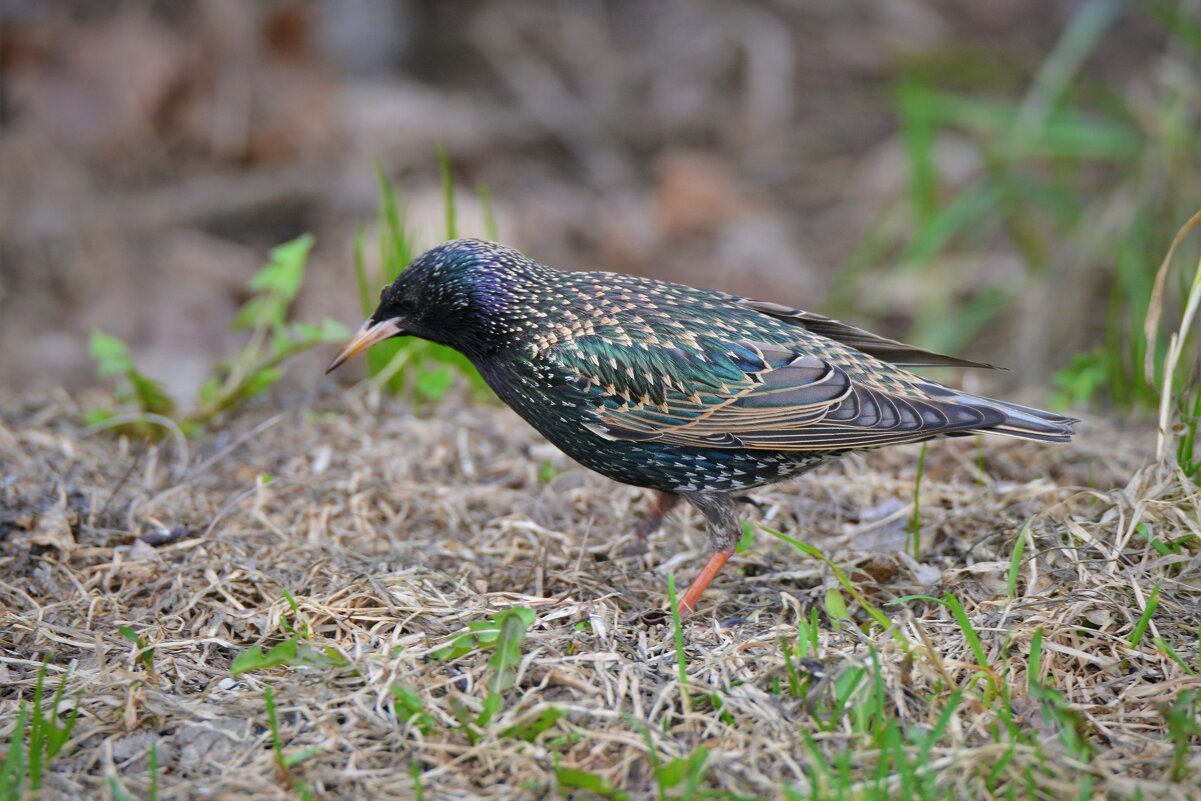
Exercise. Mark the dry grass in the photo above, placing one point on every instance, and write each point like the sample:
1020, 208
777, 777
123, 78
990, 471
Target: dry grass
393, 532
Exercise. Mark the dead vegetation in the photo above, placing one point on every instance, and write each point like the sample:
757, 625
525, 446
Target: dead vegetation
393, 532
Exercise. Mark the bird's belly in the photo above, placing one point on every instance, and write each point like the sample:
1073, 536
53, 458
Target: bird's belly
663, 466
679, 469
561, 417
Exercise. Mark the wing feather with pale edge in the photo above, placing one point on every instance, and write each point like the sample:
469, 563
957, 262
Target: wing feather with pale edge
746, 394
884, 349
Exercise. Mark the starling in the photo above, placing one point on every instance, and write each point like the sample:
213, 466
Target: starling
700, 395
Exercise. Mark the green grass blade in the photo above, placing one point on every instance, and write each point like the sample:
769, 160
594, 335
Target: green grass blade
940, 727
1144, 620
36, 732
1058, 70
653, 753
415, 772
490, 230
681, 660
848, 585
273, 725
972, 209
395, 252
1035, 661
119, 792
969, 634
918, 135
512, 623
1175, 657
12, 772
448, 192
362, 283
152, 793
302, 755
1015, 561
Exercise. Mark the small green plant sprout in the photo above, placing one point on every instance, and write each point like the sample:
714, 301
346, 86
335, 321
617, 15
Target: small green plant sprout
689, 770
484, 634
35, 740
796, 683
415, 772
576, 779
295, 651
410, 708
143, 408
529, 727
1015, 561
503, 632
249, 371
131, 389
285, 762
1144, 620
1183, 719
292, 652
145, 653
836, 607
547, 471
746, 540
874, 613
972, 637
1056, 710
513, 623
301, 627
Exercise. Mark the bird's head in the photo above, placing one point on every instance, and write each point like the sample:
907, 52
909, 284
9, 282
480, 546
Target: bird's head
466, 293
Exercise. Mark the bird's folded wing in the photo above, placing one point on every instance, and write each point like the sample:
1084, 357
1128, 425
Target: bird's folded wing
888, 350
745, 394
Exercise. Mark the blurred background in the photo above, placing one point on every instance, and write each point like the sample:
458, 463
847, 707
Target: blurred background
998, 180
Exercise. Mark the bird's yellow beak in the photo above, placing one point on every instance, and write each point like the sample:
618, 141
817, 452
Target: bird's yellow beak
371, 333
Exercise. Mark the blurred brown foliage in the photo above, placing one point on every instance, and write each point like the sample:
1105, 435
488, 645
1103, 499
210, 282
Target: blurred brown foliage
152, 151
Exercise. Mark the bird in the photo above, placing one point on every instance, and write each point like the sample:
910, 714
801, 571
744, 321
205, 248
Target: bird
697, 394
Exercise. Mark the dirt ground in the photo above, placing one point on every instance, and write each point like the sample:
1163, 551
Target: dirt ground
394, 530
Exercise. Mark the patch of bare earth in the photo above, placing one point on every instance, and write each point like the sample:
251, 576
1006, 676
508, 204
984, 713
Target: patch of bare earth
393, 531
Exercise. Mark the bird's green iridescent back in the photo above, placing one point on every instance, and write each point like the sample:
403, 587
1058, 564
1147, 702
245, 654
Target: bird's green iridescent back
640, 321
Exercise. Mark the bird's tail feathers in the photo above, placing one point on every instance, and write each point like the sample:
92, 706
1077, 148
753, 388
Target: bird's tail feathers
1024, 422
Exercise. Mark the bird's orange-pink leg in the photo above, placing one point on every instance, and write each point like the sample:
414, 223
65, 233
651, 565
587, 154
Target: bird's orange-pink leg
692, 595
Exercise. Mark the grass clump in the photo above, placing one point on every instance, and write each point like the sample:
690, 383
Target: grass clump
502, 633
401, 363
37, 737
286, 762
295, 651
